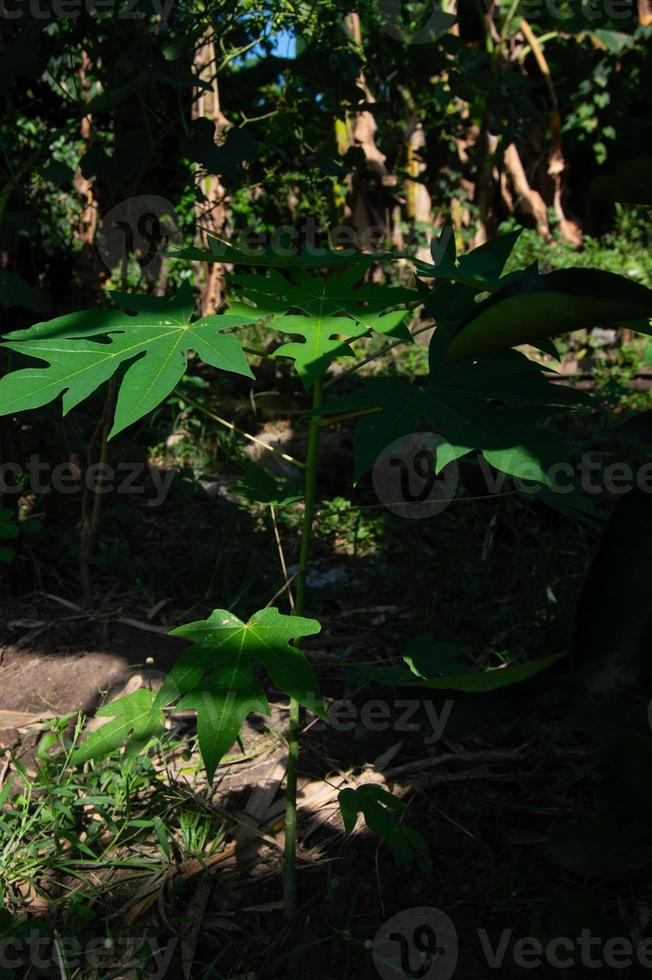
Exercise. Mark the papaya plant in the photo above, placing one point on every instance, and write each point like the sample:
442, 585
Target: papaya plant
480, 394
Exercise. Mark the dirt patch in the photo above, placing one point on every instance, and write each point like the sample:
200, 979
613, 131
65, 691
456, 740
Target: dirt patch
55, 658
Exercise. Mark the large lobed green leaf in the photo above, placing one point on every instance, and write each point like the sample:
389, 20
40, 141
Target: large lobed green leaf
379, 809
336, 310
435, 665
533, 307
524, 307
479, 270
216, 677
496, 405
154, 338
132, 717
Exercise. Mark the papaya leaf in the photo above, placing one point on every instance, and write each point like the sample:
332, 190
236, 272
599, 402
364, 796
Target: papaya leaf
470, 406
322, 342
479, 269
533, 307
323, 296
155, 341
323, 299
461, 679
429, 658
217, 677
261, 487
134, 717
490, 679
378, 808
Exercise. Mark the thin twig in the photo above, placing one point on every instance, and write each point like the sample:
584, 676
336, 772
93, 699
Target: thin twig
240, 432
281, 557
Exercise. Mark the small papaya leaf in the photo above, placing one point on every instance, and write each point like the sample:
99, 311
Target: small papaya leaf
155, 341
7, 555
217, 677
443, 250
261, 487
486, 263
470, 406
534, 307
353, 802
480, 269
134, 716
378, 808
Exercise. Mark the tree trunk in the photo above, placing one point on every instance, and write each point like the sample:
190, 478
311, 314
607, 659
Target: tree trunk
212, 212
372, 202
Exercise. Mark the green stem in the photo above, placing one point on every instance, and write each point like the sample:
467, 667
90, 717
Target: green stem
289, 865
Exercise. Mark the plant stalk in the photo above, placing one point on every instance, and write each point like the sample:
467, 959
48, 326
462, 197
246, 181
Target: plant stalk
290, 860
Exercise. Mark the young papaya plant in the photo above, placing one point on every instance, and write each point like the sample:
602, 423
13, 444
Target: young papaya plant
480, 394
